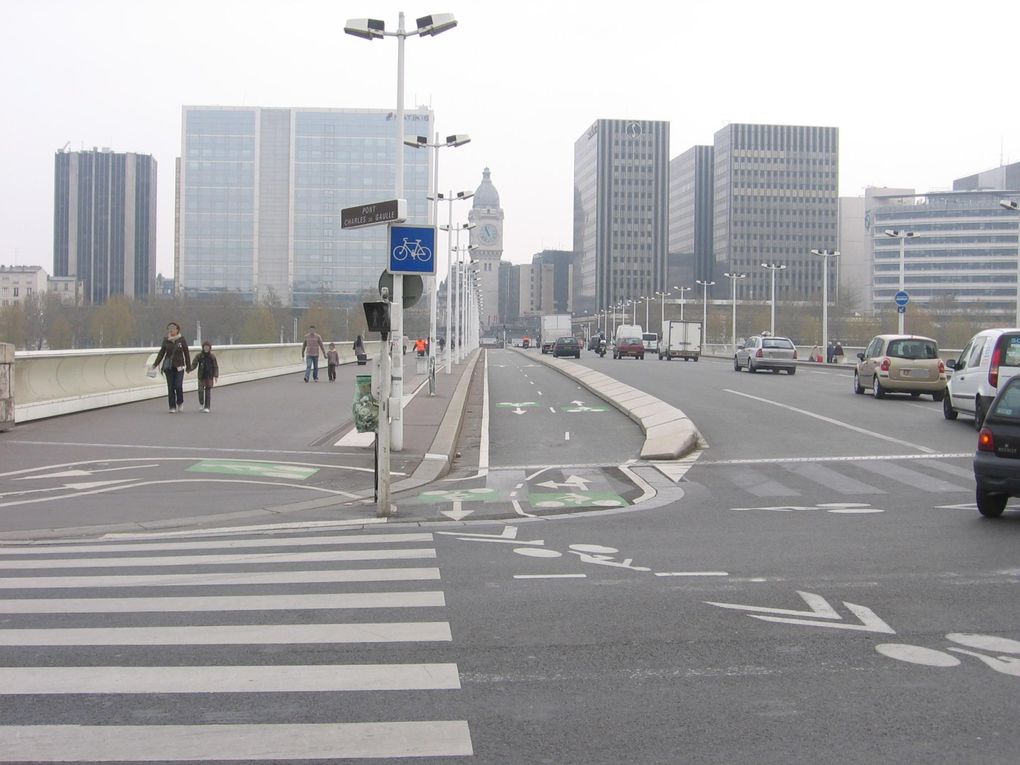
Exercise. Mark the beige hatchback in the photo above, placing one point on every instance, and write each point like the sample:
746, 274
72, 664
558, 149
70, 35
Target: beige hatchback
901, 364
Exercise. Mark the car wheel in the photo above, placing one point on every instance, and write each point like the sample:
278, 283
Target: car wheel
641, 357
939, 395
990, 505
750, 366
980, 411
857, 384
947, 408
736, 364
791, 371
878, 391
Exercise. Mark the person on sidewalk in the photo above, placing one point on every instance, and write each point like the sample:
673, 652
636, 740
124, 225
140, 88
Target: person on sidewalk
173, 360
419, 346
310, 349
208, 373
359, 351
332, 362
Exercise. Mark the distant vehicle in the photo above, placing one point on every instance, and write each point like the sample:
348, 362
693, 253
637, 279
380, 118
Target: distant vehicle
567, 346
997, 461
525, 342
628, 330
553, 327
650, 340
901, 364
489, 342
770, 352
680, 340
628, 346
986, 363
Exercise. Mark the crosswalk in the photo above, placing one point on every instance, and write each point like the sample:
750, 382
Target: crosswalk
229, 648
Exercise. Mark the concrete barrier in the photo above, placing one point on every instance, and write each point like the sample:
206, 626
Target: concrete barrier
6, 386
51, 383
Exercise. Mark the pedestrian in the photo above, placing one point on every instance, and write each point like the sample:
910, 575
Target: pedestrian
208, 373
442, 344
837, 352
830, 351
310, 349
419, 346
173, 360
332, 361
359, 351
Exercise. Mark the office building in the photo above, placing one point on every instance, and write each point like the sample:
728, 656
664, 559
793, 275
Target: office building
487, 237
855, 266
261, 191
104, 222
621, 215
690, 216
552, 277
775, 199
1002, 177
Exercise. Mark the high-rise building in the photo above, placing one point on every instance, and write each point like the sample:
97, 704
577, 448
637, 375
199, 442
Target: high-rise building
856, 262
621, 216
776, 199
487, 236
690, 216
552, 277
104, 222
1002, 177
261, 191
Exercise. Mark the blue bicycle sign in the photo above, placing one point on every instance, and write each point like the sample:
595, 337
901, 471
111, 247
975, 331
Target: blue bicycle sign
411, 249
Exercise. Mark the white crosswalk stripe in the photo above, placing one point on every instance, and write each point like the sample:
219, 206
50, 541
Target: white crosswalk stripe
234, 640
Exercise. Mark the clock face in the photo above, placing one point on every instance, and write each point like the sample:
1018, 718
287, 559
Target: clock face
489, 233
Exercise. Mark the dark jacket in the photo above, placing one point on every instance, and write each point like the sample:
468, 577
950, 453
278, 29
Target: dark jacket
177, 350
207, 366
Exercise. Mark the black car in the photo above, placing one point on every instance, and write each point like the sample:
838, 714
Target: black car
997, 461
567, 346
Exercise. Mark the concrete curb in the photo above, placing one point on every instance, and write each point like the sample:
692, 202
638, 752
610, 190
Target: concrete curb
669, 433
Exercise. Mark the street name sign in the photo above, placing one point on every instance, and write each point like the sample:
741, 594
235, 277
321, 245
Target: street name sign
374, 214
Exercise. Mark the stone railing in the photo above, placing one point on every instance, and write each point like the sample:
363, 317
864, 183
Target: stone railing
49, 383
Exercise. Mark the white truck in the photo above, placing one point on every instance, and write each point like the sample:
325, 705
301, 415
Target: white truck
554, 326
680, 340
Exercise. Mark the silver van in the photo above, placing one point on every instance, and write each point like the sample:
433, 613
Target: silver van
984, 365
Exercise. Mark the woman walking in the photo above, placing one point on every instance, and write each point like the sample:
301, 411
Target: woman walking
174, 360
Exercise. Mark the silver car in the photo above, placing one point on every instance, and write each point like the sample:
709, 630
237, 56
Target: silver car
766, 352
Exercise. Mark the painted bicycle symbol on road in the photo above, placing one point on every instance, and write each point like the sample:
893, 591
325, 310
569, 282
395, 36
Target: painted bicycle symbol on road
415, 251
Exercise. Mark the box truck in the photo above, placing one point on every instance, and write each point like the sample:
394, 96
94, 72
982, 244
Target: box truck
554, 326
680, 340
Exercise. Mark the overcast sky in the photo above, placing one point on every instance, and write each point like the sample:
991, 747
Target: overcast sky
922, 92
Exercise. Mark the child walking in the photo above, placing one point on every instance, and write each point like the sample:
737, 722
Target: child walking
208, 374
332, 361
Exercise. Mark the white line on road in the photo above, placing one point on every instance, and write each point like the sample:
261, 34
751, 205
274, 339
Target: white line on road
218, 544
832, 421
520, 511
230, 679
552, 409
550, 576
566, 436
483, 443
857, 458
647, 492
693, 573
208, 579
234, 634
247, 743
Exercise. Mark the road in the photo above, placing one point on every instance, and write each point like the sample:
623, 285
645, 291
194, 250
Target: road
818, 588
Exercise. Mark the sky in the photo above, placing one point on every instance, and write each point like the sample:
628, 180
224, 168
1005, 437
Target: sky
922, 92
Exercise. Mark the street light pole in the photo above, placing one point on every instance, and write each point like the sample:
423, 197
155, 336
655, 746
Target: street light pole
448, 228
662, 307
647, 321
773, 267
683, 300
1010, 204
705, 284
903, 236
825, 255
733, 281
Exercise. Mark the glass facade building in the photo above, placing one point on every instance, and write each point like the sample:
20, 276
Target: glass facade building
260, 192
104, 222
690, 214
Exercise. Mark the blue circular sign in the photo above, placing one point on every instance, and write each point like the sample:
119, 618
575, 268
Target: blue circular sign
901, 298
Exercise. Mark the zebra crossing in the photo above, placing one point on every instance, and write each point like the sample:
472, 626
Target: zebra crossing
249, 648
842, 476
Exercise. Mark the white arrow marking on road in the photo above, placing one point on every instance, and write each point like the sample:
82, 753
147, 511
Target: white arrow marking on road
75, 486
573, 482
79, 472
577, 403
820, 609
518, 410
457, 513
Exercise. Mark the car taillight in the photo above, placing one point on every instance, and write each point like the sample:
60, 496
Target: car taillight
942, 367
993, 367
794, 354
885, 365
759, 354
986, 441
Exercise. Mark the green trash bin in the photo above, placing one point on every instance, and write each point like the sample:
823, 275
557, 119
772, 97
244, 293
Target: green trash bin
365, 406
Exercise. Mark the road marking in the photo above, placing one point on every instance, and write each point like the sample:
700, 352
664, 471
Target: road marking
237, 634
252, 468
914, 478
458, 513
248, 743
566, 436
832, 421
819, 609
858, 458
258, 559
693, 573
272, 678
520, 511
483, 443
572, 482
71, 473
647, 492
209, 579
424, 599
552, 409
550, 576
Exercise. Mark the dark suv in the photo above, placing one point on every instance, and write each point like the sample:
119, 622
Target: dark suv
997, 461
567, 346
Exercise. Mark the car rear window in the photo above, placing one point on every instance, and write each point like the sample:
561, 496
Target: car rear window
1011, 358
631, 340
776, 342
649, 336
1007, 405
912, 349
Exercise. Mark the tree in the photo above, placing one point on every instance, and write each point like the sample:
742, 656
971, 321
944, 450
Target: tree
60, 334
112, 325
260, 326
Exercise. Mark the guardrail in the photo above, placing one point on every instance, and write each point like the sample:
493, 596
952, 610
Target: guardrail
50, 383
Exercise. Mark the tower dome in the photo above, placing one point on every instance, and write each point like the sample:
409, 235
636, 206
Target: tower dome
486, 194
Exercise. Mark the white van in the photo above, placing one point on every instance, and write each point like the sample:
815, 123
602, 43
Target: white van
650, 340
985, 364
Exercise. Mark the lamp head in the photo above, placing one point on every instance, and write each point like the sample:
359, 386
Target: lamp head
367, 29
457, 139
435, 24
1009, 204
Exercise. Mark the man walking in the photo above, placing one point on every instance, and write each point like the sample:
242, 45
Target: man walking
310, 349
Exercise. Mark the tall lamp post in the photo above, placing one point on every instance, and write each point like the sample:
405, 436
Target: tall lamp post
422, 142
682, 290
662, 307
647, 301
705, 284
825, 255
733, 281
448, 228
1010, 204
903, 236
372, 29
773, 267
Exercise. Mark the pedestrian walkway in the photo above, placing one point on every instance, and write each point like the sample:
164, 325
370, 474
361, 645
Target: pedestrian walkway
217, 646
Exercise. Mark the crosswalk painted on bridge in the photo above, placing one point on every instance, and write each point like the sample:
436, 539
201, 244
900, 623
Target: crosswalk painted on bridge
233, 616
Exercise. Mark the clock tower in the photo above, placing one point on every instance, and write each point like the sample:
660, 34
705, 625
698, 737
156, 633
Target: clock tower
487, 236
